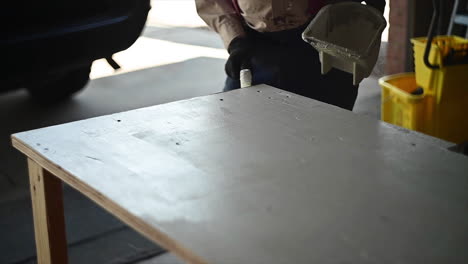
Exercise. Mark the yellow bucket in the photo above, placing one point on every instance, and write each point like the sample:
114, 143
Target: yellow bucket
399, 106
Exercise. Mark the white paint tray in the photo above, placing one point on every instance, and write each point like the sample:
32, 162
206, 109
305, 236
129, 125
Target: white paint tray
347, 36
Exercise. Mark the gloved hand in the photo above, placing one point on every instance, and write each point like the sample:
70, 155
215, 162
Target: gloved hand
240, 54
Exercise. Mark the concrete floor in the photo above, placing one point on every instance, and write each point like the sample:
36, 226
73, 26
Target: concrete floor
174, 59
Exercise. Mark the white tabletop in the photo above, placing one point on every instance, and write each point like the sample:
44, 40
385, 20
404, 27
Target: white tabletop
262, 176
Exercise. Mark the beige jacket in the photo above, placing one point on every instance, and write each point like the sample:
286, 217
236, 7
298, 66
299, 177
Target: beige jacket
260, 15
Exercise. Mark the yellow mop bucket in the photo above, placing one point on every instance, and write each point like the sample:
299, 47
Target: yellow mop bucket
442, 78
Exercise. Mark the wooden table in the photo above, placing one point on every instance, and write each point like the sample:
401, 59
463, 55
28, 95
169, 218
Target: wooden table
256, 176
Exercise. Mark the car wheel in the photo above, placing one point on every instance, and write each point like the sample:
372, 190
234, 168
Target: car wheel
59, 87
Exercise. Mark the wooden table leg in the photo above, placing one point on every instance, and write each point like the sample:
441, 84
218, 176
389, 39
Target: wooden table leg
49, 221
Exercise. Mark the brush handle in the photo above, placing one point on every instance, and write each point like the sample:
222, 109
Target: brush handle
245, 78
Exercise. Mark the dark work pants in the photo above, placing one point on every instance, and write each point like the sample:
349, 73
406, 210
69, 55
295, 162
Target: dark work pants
285, 61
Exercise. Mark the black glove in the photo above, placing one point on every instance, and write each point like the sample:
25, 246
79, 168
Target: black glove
240, 53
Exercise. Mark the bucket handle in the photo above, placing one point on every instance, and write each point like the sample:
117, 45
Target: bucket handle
430, 37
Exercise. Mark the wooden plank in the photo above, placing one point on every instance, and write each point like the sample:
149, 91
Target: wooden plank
49, 221
259, 176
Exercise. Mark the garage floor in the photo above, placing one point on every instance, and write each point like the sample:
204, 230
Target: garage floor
173, 60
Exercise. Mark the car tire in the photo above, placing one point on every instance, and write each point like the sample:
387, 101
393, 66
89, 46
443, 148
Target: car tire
59, 87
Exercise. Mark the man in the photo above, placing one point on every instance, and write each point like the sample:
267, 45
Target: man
265, 36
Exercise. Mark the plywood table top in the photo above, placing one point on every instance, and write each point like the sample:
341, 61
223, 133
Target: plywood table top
262, 176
